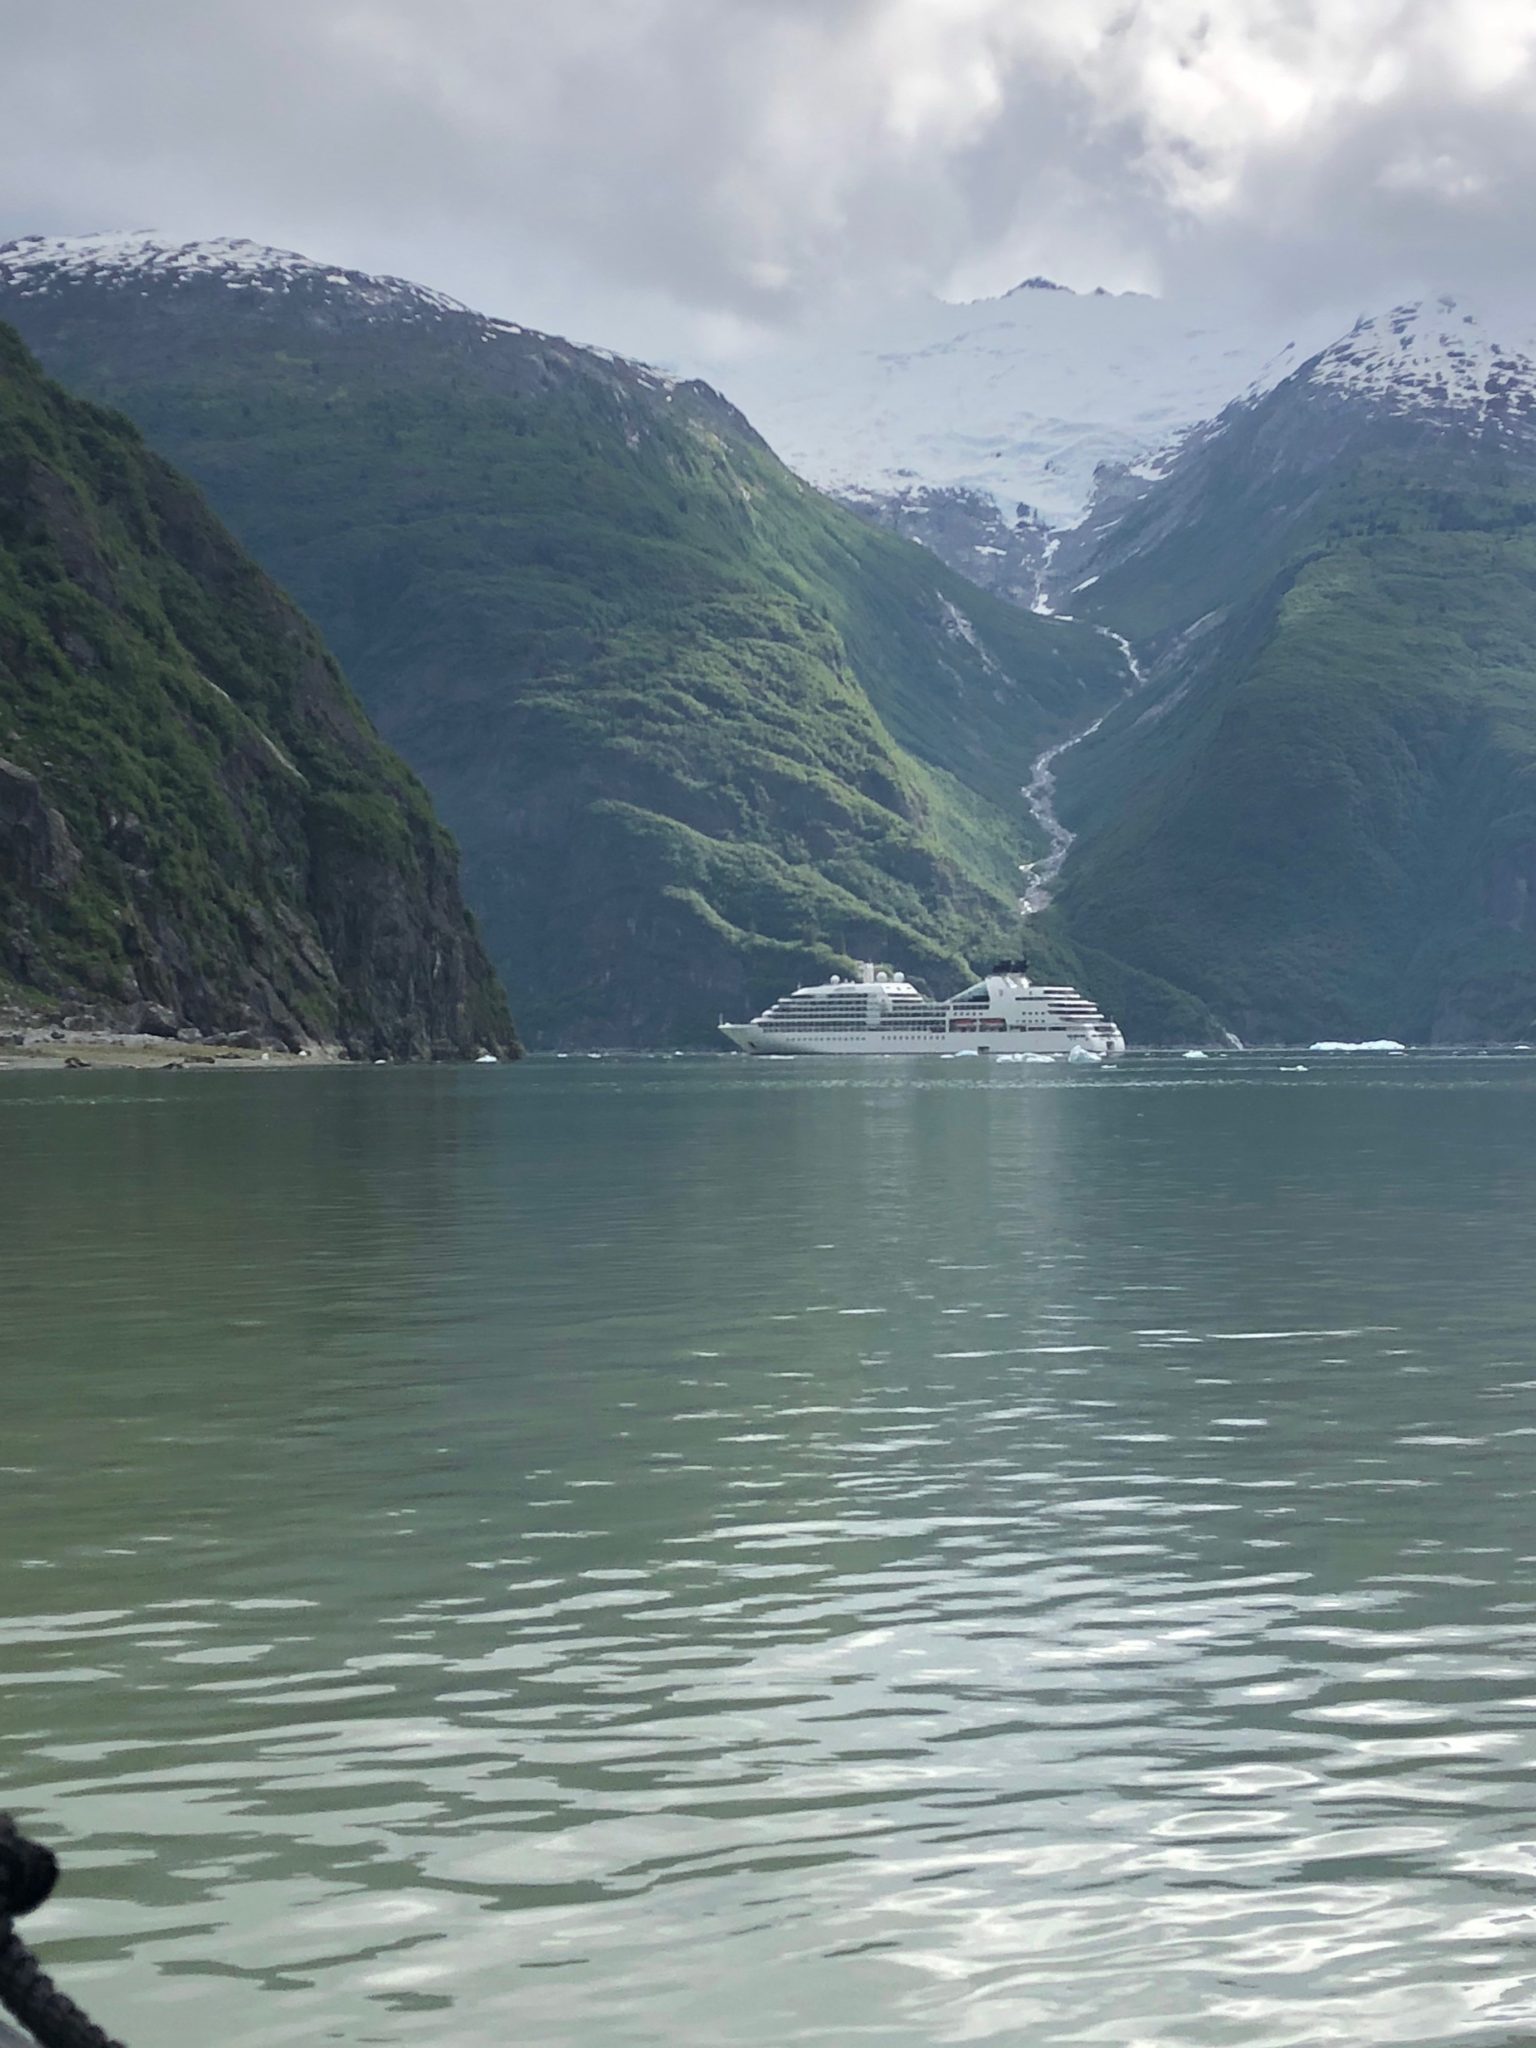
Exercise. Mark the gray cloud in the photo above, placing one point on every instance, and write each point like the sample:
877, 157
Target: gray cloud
650, 171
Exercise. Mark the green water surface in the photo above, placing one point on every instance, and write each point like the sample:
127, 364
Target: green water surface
719, 1554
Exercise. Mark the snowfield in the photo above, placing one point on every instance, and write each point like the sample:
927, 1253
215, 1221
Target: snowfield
1032, 399
1023, 398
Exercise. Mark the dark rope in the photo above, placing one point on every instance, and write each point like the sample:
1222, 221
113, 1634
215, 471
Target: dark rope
28, 1873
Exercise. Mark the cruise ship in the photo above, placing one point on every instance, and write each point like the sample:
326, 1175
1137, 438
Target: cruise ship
878, 1011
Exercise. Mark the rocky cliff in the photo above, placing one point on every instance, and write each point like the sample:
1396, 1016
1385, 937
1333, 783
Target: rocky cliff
198, 828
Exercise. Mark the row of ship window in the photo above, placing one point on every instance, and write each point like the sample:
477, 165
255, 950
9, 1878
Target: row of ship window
894, 1024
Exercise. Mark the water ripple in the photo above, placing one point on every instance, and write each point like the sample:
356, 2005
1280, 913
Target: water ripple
682, 1554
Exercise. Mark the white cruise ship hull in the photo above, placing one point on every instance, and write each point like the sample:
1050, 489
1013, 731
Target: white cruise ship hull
1050, 1044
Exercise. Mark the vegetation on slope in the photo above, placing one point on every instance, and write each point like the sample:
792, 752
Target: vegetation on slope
1322, 819
698, 731
197, 827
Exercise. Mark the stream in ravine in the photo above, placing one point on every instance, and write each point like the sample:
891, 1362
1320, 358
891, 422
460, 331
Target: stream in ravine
1040, 790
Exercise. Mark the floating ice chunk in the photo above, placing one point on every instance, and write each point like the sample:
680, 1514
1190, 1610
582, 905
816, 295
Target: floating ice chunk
1195, 1053
1360, 1045
487, 1059
1080, 1056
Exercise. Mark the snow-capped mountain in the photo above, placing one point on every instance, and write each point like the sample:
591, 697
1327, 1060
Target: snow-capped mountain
982, 429
1021, 401
144, 264
37, 264
1437, 356
128, 279
1420, 381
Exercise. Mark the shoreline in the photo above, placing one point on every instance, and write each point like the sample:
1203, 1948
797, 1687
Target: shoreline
122, 1052
119, 1050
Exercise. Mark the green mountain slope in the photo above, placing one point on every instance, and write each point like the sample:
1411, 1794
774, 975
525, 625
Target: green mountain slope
197, 827
1320, 817
698, 730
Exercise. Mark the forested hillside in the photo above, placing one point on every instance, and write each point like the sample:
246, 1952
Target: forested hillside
1321, 814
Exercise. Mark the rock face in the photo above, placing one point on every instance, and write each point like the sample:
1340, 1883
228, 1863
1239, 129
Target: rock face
198, 830
969, 530
35, 846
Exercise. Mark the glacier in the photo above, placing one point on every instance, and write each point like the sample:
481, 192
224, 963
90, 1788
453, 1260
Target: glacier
1023, 399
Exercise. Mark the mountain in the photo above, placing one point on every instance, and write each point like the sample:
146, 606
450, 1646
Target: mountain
983, 428
1319, 813
698, 730
198, 829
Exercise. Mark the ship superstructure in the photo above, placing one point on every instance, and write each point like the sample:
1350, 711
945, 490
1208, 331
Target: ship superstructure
878, 1011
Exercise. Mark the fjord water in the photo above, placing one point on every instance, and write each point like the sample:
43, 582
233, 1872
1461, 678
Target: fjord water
709, 1552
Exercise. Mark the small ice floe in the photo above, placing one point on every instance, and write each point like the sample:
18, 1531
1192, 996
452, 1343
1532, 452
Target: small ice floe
1195, 1053
1025, 1059
487, 1059
1360, 1045
1080, 1056
1290, 1070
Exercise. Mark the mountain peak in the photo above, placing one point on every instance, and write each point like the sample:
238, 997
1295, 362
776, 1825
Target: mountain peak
1435, 355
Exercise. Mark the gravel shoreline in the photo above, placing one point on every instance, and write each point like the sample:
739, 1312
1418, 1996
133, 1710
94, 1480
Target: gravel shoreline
120, 1049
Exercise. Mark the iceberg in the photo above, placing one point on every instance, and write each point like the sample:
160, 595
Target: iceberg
1195, 1054
1080, 1056
1359, 1045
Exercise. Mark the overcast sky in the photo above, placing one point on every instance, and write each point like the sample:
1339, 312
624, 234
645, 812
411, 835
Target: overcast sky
660, 175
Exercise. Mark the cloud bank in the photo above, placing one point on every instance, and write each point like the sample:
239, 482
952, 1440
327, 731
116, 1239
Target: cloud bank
626, 169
